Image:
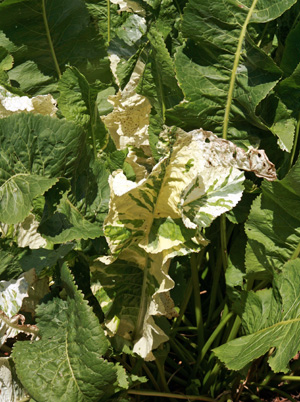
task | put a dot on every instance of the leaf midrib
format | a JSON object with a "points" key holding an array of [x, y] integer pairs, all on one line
{"points": [[234, 69]]}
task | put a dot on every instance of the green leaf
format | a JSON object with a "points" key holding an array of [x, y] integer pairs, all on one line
{"points": [[66, 364], [272, 321], [91, 191], [6, 60], [10, 266], [167, 18], [273, 225], [104, 107], [17, 194], [35, 150], [42, 258], [276, 116], [125, 69], [67, 224], [164, 70], [53, 34], [31, 79], [289, 90], [38, 144], [222, 73], [77, 102], [291, 51]]}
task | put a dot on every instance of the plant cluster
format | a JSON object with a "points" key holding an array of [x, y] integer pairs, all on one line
{"points": [[149, 200]]}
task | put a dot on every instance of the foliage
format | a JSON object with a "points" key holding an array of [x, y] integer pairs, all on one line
{"points": [[149, 192]]}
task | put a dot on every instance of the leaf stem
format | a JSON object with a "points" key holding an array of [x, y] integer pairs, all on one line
{"points": [[211, 339], [280, 378], [143, 304], [273, 389], [214, 287], [162, 378], [183, 329], [179, 10], [169, 395], [263, 34], [50, 39], [108, 22], [151, 377], [197, 300], [296, 253], [93, 123], [184, 303], [235, 328], [224, 242], [234, 70], [295, 142]]}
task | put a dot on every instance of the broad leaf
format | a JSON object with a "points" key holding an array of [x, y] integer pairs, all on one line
{"points": [[77, 102], [273, 225], [272, 320], [17, 194], [67, 224], [10, 266], [25, 233], [223, 74], [46, 33], [55, 367], [35, 150], [163, 215], [128, 122], [291, 53], [10, 388], [41, 259], [132, 30]]}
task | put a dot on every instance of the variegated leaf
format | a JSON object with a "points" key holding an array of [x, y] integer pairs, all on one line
{"points": [[163, 215]]}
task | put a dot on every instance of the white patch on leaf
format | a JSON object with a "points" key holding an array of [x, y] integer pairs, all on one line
{"points": [[128, 122], [11, 103], [162, 216], [25, 233], [129, 6], [12, 294], [11, 389]]}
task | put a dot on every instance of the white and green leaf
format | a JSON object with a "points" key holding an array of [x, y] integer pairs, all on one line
{"points": [[163, 216]]}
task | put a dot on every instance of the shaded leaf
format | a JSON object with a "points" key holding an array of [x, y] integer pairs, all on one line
{"points": [[271, 321], [41, 258], [10, 267], [68, 27], [17, 194], [10, 388], [222, 73], [273, 225], [56, 362], [77, 102], [67, 224], [35, 150]]}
